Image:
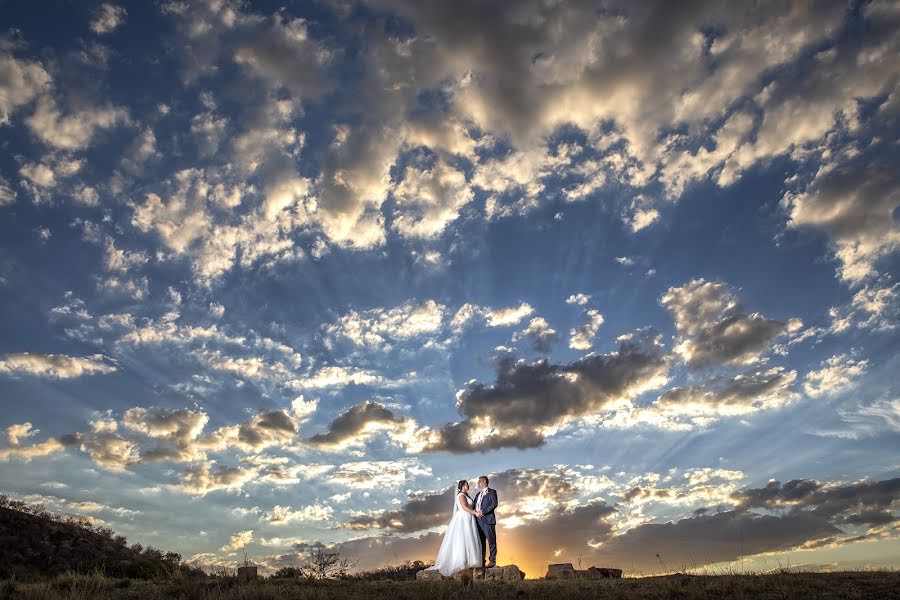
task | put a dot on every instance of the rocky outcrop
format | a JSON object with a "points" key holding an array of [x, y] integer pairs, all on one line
{"points": [[502, 573], [567, 571], [429, 575]]}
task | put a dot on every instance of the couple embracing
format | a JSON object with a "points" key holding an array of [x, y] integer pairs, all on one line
{"points": [[472, 530]]}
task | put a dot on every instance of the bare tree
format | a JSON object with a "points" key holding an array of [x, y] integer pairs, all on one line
{"points": [[324, 564]]}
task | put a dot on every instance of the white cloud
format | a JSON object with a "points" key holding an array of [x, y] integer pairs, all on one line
{"points": [[581, 338], [7, 193], [428, 199], [493, 317], [58, 366], [75, 130], [285, 515], [108, 17], [21, 81], [581, 299], [237, 540], [837, 372], [380, 326]]}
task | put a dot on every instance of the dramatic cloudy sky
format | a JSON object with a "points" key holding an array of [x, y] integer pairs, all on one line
{"points": [[278, 274]]}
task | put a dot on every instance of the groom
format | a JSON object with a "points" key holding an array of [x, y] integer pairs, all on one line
{"points": [[485, 503]]}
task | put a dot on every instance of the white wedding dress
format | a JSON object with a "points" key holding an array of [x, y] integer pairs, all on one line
{"points": [[461, 548]]}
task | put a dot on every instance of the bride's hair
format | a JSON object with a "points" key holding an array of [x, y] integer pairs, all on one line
{"points": [[460, 484]]}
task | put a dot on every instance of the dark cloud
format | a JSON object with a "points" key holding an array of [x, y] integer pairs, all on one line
{"points": [[807, 514], [714, 327], [742, 393], [528, 397], [424, 511], [705, 539], [354, 422], [421, 512], [860, 503]]}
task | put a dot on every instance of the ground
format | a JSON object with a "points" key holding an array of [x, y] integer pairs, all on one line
{"points": [[858, 584]]}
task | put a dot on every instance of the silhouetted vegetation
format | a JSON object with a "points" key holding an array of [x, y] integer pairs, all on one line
{"points": [[35, 543], [319, 563], [402, 572]]}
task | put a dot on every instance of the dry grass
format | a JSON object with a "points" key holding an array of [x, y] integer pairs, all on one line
{"points": [[852, 584]]}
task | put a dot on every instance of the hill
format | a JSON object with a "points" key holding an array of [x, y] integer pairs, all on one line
{"points": [[36, 544]]}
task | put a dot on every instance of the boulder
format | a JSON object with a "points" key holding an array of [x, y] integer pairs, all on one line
{"points": [[504, 573], [429, 575], [560, 571], [606, 573], [567, 571]]}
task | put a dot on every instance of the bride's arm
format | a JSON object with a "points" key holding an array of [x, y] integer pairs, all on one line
{"points": [[463, 505]]}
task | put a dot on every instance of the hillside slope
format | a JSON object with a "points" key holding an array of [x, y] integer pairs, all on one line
{"points": [[36, 544]]}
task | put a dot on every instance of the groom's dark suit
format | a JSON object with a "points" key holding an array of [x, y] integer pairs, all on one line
{"points": [[487, 524]]}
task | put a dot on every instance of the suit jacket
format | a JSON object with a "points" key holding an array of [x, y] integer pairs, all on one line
{"points": [[488, 504]]}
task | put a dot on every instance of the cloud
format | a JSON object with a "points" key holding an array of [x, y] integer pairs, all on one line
{"points": [[285, 515], [541, 335], [21, 81], [175, 431], [800, 514], [859, 503], [762, 389], [206, 476], [837, 373], [359, 424], [879, 417], [7, 193], [76, 130], [337, 377], [193, 215], [265, 429], [427, 199], [581, 338], [707, 539], [18, 432], [365, 475], [107, 447], [107, 18], [237, 540], [493, 317], [283, 53], [853, 202], [121, 261], [381, 326], [713, 326], [56, 366], [530, 401], [581, 299]]}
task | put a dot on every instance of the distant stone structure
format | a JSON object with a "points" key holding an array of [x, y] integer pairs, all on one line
{"points": [[504, 573], [246, 573], [567, 571]]}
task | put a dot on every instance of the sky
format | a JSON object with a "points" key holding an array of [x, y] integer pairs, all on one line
{"points": [[275, 275]]}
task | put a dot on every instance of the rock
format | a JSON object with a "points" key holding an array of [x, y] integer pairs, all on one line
{"points": [[560, 571], [429, 575], [246, 573], [567, 571], [504, 573]]}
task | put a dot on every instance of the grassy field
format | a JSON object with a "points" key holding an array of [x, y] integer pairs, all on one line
{"points": [[858, 584]]}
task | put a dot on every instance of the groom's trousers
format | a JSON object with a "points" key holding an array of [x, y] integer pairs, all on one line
{"points": [[487, 533]]}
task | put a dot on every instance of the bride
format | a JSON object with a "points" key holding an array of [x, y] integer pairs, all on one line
{"points": [[461, 547]]}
